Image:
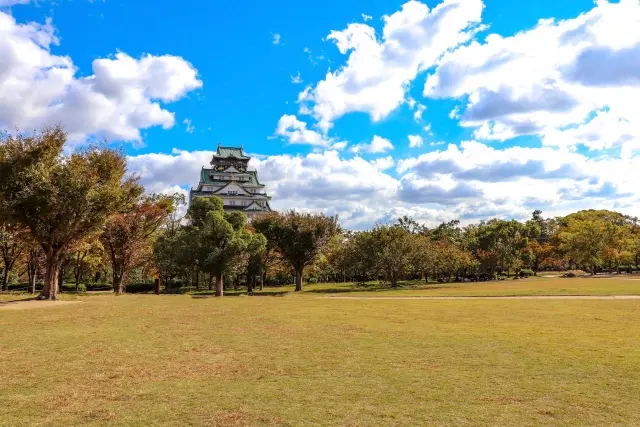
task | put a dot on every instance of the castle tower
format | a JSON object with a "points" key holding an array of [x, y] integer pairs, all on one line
{"points": [[230, 179]]}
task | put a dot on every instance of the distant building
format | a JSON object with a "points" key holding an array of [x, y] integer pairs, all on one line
{"points": [[230, 180]]}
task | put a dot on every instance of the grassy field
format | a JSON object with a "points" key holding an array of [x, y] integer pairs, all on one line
{"points": [[295, 360], [621, 285]]}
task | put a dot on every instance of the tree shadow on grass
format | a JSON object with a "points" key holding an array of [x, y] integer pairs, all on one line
{"points": [[212, 294], [373, 289], [15, 301]]}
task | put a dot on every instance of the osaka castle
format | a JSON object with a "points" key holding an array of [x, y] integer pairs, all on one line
{"points": [[230, 179]]}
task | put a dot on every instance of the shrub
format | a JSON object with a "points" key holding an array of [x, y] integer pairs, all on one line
{"points": [[312, 280], [82, 287], [139, 288], [526, 272]]}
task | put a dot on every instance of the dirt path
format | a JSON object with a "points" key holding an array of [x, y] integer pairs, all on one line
{"points": [[28, 304], [552, 297]]}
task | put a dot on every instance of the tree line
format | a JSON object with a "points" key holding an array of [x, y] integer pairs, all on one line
{"points": [[590, 240], [83, 215]]}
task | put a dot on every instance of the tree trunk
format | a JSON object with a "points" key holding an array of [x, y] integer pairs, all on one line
{"points": [[117, 284], [210, 281], [298, 280], [77, 282], [197, 280], [33, 283], [219, 285], [5, 280], [250, 281], [61, 277], [50, 289], [262, 277]]}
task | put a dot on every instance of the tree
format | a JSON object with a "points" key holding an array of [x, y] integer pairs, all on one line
{"points": [[392, 245], [86, 255], [12, 245], [422, 258], [60, 198], [265, 226], [34, 256], [300, 237], [359, 256], [223, 238], [126, 235], [583, 238], [171, 248]]}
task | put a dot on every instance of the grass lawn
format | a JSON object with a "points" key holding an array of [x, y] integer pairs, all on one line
{"points": [[292, 360], [622, 285]]}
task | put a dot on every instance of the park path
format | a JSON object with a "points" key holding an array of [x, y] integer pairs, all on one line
{"points": [[551, 297]]}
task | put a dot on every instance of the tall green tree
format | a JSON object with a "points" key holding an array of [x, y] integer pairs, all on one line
{"points": [[223, 238], [171, 250], [60, 198], [300, 238], [392, 245], [265, 225]]}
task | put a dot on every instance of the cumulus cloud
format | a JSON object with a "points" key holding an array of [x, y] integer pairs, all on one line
{"points": [[377, 145], [415, 141], [470, 182], [295, 131], [123, 95], [379, 67], [551, 80], [442, 191], [366, 18], [160, 171]]}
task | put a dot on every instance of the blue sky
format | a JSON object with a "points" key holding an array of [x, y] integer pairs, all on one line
{"points": [[368, 109]]}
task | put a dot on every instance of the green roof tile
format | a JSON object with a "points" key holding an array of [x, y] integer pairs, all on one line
{"points": [[226, 152]]}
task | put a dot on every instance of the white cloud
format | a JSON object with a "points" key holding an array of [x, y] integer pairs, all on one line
{"points": [[415, 141], [366, 18], [552, 79], [470, 182], [190, 128], [518, 179], [121, 97], [383, 163], [377, 145], [159, 171], [296, 79], [8, 3], [276, 39], [417, 115], [295, 132], [377, 71], [339, 145]]}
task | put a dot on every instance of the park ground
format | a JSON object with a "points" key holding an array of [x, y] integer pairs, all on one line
{"points": [[286, 359]]}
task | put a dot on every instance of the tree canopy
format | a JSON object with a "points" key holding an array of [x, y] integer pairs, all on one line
{"points": [[60, 198]]}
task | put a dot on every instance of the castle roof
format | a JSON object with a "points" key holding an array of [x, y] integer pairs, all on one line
{"points": [[230, 152], [205, 178]]}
